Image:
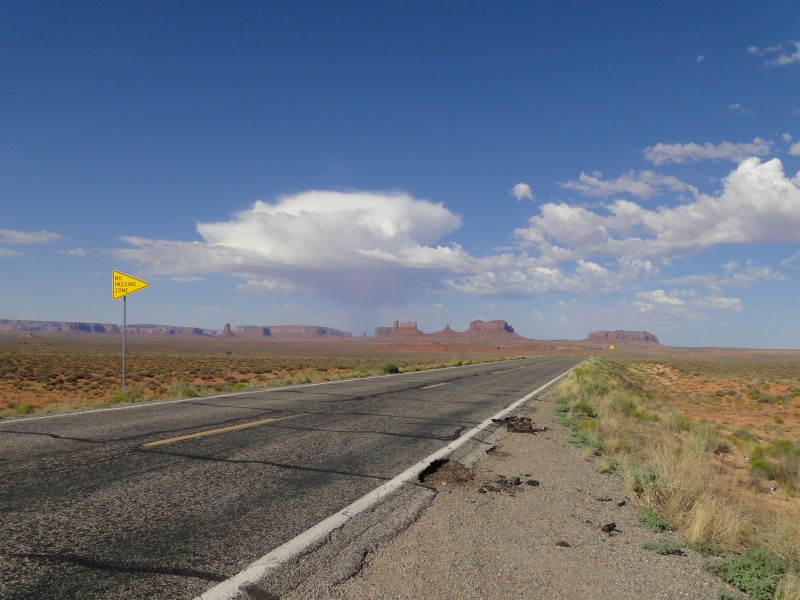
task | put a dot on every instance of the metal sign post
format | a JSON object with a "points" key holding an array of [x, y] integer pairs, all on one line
{"points": [[121, 286], [124, 335]]}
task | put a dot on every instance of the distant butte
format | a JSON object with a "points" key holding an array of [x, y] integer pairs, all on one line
{"points": [[496, 330], [477, 329], [292, 332], [625, 337]]}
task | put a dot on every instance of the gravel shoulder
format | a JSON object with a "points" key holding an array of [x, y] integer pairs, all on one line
{"points": [[485, 535]]}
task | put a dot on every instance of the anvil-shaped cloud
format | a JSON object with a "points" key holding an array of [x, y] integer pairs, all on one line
{"points": [[355, 246]]}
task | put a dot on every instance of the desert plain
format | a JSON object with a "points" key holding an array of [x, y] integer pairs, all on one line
{"points": [[734, 387], [706, 438]]}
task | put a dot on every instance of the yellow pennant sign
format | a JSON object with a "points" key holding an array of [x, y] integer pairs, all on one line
{"points": [[122, 285]]}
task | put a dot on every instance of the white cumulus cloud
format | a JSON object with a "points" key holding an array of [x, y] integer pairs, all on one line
{"points": [[10, 236], [641, 184], [357, 246], [74, 252], [738, 108], [758, 204], [735, 276], [682, 303], [522, 190], [780, 55], [660, 154]]}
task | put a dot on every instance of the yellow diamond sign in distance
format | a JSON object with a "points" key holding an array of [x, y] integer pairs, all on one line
{"points": [[122, 285], [611, 347]]}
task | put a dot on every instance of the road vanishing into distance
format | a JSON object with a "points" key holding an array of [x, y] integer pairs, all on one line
{"points": [[165, 500]]}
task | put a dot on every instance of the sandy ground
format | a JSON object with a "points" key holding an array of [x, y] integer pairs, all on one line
{"points": [[487, 536]]}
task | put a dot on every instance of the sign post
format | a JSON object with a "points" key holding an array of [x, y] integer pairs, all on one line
{"points": [[121, 286]]}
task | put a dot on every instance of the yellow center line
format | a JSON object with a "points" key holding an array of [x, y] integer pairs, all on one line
{"points": [[506, 371], [198, 434], [435, 385]]}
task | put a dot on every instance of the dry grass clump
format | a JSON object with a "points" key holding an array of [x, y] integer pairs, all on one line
{"points": [[689, 490], [788, 588]]}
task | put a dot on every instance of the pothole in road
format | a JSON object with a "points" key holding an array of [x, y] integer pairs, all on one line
{"points": [[520, 425], [443, 473]]}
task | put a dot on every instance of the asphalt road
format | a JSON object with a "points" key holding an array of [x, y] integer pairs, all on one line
{"points": [[165, 500]]}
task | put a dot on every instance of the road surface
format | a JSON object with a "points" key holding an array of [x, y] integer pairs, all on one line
{"points": [[165, 500]]}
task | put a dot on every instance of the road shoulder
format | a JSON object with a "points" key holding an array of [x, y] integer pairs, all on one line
{"points": [[495, 537]]}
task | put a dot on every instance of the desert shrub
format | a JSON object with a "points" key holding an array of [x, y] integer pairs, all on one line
{"points": [[588, 441], [779, 460], [131, 394], [584, 409], [746, 434], [643, 416], [388, 368], [756, 572], [674, 421], [650, 519], [561, 409], [620, 404], [24, 409], [664, 547], [607, 465], [704, 438], [764, 467]]}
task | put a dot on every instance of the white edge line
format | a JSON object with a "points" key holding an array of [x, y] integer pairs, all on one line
{"points": [[260, 569], [79, 412]]}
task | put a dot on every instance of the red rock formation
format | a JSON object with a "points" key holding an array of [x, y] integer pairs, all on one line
{"points": [[477, 329], [619, 336], [287, 332], [186, 331], [58, 326], [226, 331], [496, 328], [407, 329], [167, 330], [251, 331], [305, 331]]}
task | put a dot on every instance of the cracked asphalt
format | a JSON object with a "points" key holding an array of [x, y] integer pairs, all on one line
{"points": [[165, 500]]}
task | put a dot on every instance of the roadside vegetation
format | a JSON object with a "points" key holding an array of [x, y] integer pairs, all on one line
{"points": [[722, 470], [50, 379]]}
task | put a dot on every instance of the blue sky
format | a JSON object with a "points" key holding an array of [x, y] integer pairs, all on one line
{"points": [[565, 166]]}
